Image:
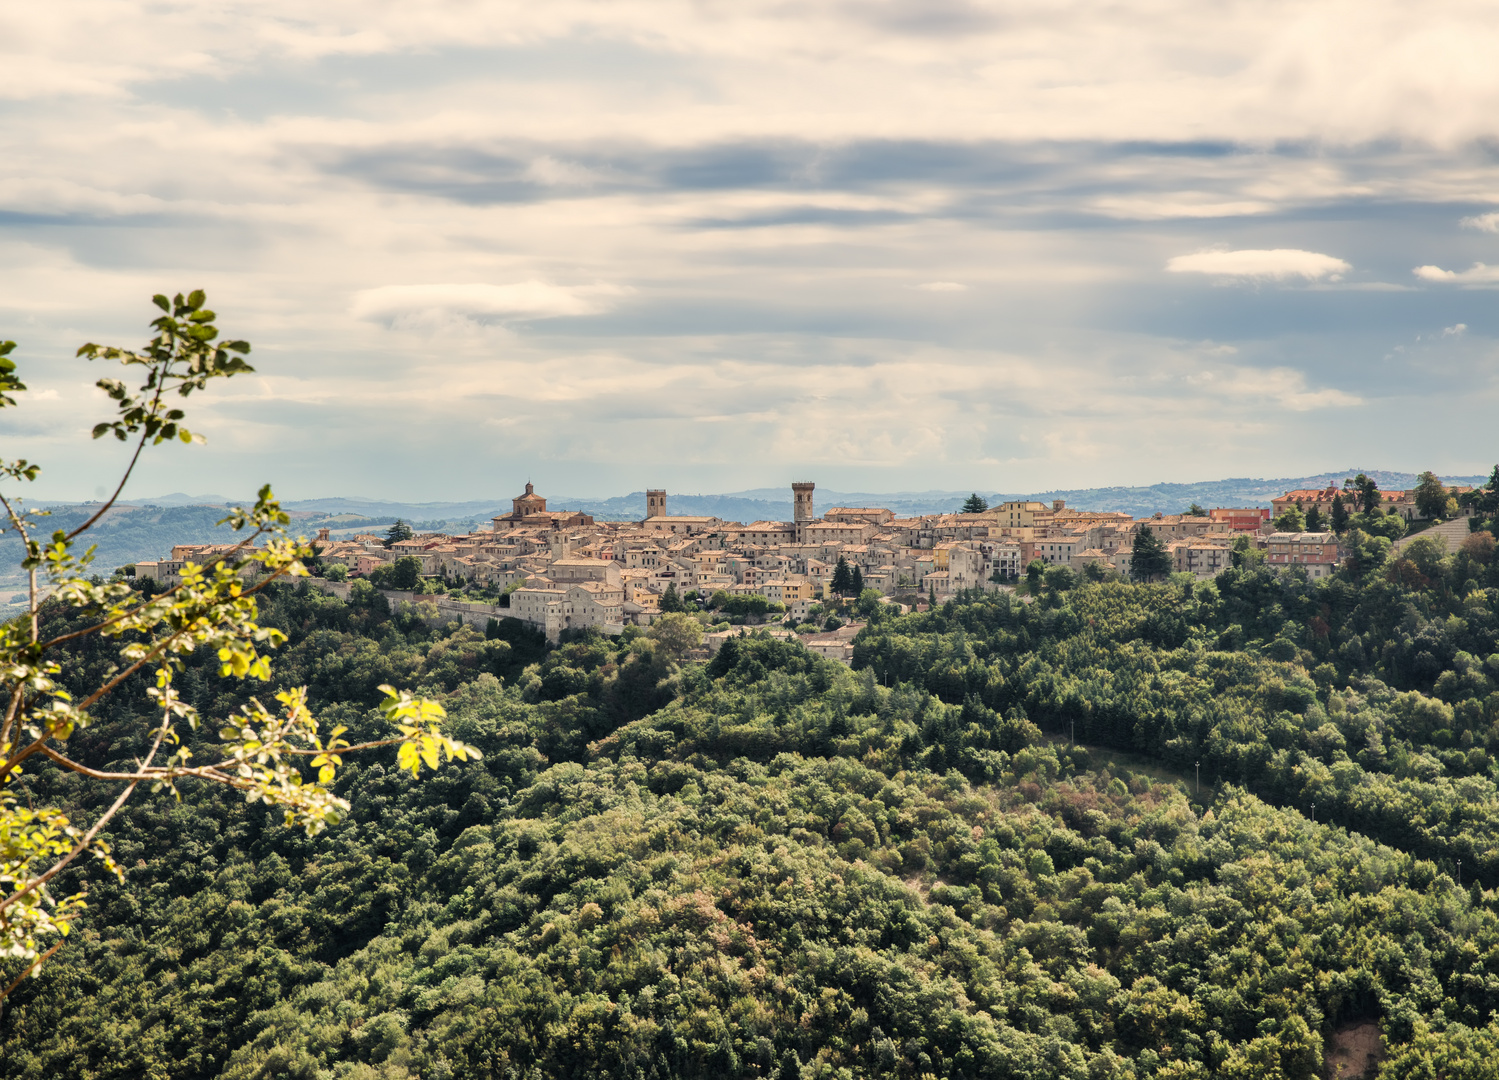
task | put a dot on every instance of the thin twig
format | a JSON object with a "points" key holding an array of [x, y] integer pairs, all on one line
{"points": [[38, 962], [139, 446], [140, 774], [12, 708], [61, 864]]}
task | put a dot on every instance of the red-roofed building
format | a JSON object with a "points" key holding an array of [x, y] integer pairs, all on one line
{"points": [[1248, 520]]}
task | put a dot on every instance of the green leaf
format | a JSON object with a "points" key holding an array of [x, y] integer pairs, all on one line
{"points": [[195, 299], [161, 302]]}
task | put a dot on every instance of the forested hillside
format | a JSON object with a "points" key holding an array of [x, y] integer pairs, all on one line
{"points": [[770, 865]]}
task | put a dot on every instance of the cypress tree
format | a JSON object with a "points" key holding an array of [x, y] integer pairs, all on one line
{"points": [[1339, 515], [1150, 558], [842, 577]]}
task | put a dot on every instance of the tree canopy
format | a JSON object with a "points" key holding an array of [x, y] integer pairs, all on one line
{"points": [[974, 504], [982, 851], [1431, 495], [1291, 519], [404, 573]]}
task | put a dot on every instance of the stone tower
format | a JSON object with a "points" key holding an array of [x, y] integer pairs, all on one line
{"points": [[801, 499], [655, 503]]}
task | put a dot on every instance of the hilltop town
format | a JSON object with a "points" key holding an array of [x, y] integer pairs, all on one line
{"points": [[559, 570]]}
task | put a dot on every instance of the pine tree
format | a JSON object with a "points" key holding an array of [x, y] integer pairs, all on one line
{"points": [[974, 504], [670, 601], [843, 578], [856, 584], [397, 532], [1314, 521], [1368, 492]]}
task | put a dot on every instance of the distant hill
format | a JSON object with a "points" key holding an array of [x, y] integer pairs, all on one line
{"points": [[774, 504], [1243, 492], [127, 534]]}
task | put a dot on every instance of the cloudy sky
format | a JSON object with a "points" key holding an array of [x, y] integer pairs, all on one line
{"points": [[714, 245]]}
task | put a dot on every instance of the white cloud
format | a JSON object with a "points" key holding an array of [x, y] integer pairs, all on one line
{"points": [[521, 300], [1454, 331], [1276, 263], [1281, 386], [1482, 222], [1477, 274], [943, 286], [1177, 205], [554, 172]]}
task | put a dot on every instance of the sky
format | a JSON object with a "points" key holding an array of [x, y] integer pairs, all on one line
{"points": [[709, 246]]}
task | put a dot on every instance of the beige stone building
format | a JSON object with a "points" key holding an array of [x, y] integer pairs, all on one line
{"points": [[575, 572]]}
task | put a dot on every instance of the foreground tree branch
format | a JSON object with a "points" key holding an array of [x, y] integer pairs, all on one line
{"points": [[262, 751]]}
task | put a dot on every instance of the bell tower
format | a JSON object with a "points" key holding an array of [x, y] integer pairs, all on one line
{"points": [[655, 503], [801, 500]]}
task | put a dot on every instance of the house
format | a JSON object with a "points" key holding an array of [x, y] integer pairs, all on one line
{"points": [[1316, 552], [1247, 520], [859, 515]]}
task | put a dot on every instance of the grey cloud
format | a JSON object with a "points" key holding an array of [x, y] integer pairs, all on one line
{"points": [[926, 18], [1065, 183], [467, 174]]}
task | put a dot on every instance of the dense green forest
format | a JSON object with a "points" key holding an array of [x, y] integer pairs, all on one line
{"points": [[771, 865]]}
